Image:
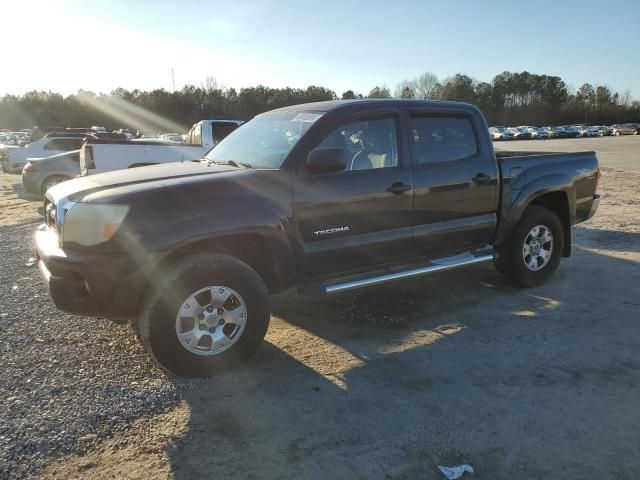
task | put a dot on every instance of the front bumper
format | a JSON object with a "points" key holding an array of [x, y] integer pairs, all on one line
{"points": [[96, 284]]}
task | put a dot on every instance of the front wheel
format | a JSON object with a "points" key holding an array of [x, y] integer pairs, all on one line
{"points": [[207, 316], [535, 249]]}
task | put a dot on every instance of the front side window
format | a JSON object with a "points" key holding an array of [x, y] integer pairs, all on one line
{"points": [[265, 141], [370, 144], [52, 145], [442, 139]]}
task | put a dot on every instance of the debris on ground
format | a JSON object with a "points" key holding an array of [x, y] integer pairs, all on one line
{"points": [[452, 473]]}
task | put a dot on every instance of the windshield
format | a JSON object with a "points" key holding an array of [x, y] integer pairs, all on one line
{"points": [[265, 141]]}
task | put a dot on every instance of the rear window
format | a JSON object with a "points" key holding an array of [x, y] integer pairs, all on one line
{"points": [[443, 139], [221, 130]]}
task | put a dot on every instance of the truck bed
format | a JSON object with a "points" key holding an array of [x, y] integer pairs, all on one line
{"points": [[574, 175]]}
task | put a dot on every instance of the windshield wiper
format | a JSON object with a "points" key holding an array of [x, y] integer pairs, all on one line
{"points": [[233, 163]]}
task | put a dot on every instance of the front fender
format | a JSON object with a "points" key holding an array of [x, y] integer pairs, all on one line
{"points": [[206, 227]]}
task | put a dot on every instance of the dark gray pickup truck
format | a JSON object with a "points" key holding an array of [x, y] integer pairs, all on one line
{"points": [[328, 197]]}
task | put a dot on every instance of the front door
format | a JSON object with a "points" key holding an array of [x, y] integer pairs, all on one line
{"points": [[359, 217]]}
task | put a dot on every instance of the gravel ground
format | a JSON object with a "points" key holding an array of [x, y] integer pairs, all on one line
{"points": [[381, 384], [67, 381]]}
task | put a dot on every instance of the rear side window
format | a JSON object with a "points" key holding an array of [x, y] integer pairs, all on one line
{"points": [[64, 144], [442, 139]]}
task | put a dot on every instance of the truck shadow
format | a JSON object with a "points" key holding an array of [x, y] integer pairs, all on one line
{"points": [[473, 371]]}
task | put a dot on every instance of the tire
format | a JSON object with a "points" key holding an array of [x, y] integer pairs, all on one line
{"points": [[51, 181], [512, 259], [190, 285]]}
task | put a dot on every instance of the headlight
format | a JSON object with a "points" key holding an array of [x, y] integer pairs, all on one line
{"points": [[91, 224]]}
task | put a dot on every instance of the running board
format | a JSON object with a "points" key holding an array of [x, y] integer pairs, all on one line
{"points": [[436, 265]]}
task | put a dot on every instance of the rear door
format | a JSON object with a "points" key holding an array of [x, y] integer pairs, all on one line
{"points": [[359, 217], [456, 179]]}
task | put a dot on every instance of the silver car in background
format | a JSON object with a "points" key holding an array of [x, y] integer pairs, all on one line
{"points": [[40, 174]]}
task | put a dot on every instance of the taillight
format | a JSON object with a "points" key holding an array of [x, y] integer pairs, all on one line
{"points": [[598, 177], [88, 157], [31, 167]]}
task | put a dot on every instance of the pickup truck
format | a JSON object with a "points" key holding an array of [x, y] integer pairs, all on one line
{"points": [[329, 197], [99, 156]]}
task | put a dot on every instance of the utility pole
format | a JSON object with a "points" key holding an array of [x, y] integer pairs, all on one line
{"points": [[173, 80]]}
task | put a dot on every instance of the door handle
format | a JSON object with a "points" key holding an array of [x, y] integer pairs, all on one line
{"points": [[481, 179], [398, 187]]}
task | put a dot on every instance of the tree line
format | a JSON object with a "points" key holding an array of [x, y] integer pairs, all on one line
{"points": [[509, 99]]}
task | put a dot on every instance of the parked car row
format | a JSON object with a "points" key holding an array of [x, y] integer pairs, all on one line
{"points": [[61, 155], [16, 148], [14, 159], [8, 137], [566, 131]]}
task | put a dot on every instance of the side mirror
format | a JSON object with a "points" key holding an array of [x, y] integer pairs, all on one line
{"points": [[327, 160]]}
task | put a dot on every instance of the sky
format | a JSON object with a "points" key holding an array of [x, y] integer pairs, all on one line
{"points": [[67, 45]]}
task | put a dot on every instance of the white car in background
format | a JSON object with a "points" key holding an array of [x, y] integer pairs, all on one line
{"points": [[495, 134], [15, 159], [532, 130]]}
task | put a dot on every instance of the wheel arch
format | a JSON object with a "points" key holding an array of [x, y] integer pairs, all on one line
{"points": [[555, 192], [258, 251], [52, 175], [558, 203]]}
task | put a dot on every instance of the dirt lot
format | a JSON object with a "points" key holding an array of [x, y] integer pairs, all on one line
{"points": [[461, 367]]}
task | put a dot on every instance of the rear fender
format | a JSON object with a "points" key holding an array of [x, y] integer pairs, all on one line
{"points": [[518, 202]]}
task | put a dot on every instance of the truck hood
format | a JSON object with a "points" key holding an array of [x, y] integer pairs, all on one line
{"points": [[154, 176]]}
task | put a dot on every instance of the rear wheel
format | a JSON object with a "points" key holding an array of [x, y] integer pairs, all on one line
{"points": [[207, 316], [52, 181], [535, 249]]}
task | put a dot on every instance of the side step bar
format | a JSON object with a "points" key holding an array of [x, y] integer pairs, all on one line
{"points": [[436, 265]]}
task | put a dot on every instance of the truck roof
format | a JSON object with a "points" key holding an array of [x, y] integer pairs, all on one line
{"points": [[332, 105]]}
